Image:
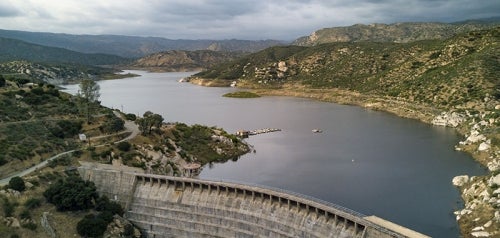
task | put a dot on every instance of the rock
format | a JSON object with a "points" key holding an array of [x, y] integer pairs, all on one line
{"points": [[480, 234], [13, 222], [488, 224], [494, 165], [494, 181], [475, 137], [497, 191], [483, 146], [465, 212], [28, 185], [13, 193], [452, 119], [479, 228], [121, 227], [459, 181], [44, 221], [497, 107]]}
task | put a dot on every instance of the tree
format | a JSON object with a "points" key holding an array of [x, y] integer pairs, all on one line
{"points": [[91, 226], [2, 81], [71, 194], [148, 121], [17, 183], [89, 95]]}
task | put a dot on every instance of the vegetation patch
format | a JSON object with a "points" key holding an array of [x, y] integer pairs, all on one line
{"points": [[241, 94]]}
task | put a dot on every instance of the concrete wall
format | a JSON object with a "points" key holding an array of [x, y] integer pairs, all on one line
{"points": [[180, 207]]}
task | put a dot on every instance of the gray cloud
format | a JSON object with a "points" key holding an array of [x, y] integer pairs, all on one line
{"points": [[224, 19], [7, 10]]}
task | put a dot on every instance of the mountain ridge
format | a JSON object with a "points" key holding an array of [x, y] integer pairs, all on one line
{"points": [[132, 46], [401, 32], [181, 60]]}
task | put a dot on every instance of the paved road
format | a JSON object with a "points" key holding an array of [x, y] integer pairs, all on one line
{"points": [[130, 126]]}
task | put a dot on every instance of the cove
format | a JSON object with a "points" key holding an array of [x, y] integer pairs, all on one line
{"points": [[368, 161]]}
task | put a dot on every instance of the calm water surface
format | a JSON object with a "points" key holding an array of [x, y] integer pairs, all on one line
{"points": [[371, 162]]}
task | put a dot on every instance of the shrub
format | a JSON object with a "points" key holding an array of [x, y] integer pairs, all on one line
{"points": [[2, 81], [130, 116], [17, 183], [32, 203], [25, 214], [128, 230], [71, 194], [113, 124], [104, 204], [123, 146], [8, 207], [29, 225], [91, 226]]}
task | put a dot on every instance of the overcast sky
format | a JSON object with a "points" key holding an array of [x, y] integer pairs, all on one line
{"points": [[227, 19]]}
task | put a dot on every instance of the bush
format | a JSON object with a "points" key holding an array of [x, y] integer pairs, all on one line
{"points": [[2, 81], [113, 124], [104, 204], [32, 203], [130, 116], [17, 183], [8, 207], [124, 146], [25, 214], [29, 225], [128, 230], [71, 194], [91, 226]]}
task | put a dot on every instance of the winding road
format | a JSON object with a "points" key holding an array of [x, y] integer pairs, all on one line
{"points": [[130, 127]]}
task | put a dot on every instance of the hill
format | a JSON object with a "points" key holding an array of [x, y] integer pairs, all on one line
{"points": [[455, 71], [397, 32], [12, 49], [132, 46], [180, 60]]}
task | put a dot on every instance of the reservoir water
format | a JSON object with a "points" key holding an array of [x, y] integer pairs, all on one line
{"points": [[368, 161]]}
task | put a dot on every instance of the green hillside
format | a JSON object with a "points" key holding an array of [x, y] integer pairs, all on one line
{"points": [[450, 72], [12, 49]]}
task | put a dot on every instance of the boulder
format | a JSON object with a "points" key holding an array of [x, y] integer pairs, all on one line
{"points": [[480, 234], [484, 146], [460, 181], [121, 227], [494, 181], [475, 136], [452, 119], [12, 222]]}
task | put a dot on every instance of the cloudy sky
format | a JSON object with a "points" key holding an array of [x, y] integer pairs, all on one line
{"points": [[227, 19]]}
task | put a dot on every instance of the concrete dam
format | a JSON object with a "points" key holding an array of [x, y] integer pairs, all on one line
{"points": [[164, 206]]}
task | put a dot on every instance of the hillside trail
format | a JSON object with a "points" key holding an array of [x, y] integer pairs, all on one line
{"points": [[130, 127]]}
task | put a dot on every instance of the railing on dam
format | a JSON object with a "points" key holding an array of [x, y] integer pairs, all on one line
{"points": [[289, 198]]}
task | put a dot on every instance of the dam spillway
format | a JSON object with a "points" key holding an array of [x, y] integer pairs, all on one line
{"points": [[164, 206]]}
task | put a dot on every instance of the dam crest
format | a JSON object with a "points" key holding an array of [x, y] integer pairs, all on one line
{"points": [[164, 206]]}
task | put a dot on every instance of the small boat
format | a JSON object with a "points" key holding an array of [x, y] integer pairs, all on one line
{"points": [[317, 131]]}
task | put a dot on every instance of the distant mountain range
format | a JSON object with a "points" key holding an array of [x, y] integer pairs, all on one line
{"points": [[132, 46], [12, 49], [397, 32]]}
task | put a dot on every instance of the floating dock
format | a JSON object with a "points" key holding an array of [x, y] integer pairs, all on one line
{"points": [[245, 133]]}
